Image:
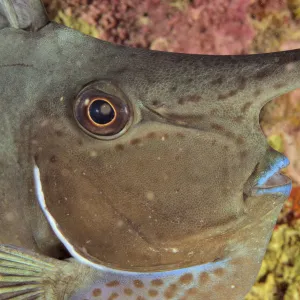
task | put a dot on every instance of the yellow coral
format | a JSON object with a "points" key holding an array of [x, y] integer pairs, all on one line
{"points": [[276, 142], [294, 6], [280, 272], [179, 4], [272, 31], [64, 17]]}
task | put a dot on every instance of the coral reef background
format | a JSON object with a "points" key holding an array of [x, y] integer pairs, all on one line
{"points": [[218, 27]]}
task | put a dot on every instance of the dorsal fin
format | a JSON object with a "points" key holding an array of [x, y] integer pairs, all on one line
{"points": [[23, 14]]}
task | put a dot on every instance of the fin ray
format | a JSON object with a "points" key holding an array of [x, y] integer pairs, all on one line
{"points": [[16, 271], [27, 296], [24, 276]]}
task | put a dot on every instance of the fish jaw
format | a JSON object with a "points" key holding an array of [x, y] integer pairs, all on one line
{"points": [[267, 179], [224, 279], [228, 278]]}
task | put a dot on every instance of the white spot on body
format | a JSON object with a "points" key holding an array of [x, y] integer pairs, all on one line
{"points": [[290, 66], [93, 153], [150, 195], [120, 223]]}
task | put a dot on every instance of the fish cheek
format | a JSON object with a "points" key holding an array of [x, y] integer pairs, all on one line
{"points": [[156, 190]]}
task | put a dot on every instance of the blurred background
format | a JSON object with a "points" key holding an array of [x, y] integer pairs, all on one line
{"points": [[218, 27]]}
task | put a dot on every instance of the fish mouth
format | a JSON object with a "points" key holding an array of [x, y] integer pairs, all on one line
{"points": [[271, 181]]}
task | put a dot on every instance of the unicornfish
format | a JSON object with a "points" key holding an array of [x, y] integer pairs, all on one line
{"points": [[132, 174]]}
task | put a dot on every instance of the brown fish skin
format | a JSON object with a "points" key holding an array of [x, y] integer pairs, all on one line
{"points": [[189, 181]]}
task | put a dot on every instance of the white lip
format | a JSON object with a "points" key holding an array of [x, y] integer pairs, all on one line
{"points": [[277, 183], [271, 177]]}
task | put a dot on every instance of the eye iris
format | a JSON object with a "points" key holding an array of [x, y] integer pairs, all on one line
{"points": [[101, 112]]}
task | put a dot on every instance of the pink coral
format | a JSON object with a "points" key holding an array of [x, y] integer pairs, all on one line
{"points": [[210, 27]]}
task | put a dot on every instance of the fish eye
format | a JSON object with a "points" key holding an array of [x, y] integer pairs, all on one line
{"points": [[100, 114]]}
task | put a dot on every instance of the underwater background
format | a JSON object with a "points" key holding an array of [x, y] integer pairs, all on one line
{"points": [[218, 27]]}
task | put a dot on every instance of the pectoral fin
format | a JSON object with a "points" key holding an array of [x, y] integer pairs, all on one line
{"points": [[26, 275]]}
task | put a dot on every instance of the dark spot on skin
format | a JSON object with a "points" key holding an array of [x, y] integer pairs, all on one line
{"points": [[238, 119], [245, 197], [113, 283], [217, 127], [189, 80], [113, 296], [53, 159], [226, 147], [120, 71], [157, 282], [132, 55], [203, 278], [152, 293], [213, 111], [59, 133], [186, 278], [180, 135], [138, 283], [173, 89], [135, 141], [243, 154], [217, 81], [262, 73], [191, 291], [140, 298], [151, 135], [119, 147], [229, 134], [170, 292], [227, 95], [279, 85], [240, 140], [213, 142], [191, 99], [242, 83], [245, 107], [97, 292], [80, 142], [257, 93], [128, 291], [156, 103], [219, 272]]}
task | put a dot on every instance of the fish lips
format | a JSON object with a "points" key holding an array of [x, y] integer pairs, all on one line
{"points": [[271, 181]]}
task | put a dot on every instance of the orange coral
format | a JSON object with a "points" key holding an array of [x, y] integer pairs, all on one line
{"points": [[295, 199]]}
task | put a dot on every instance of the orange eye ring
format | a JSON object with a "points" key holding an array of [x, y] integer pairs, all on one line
{"points": [[99, 120], [91, 119]]}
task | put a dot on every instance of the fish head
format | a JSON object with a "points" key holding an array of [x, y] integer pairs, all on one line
{"points": [[144, 160]]}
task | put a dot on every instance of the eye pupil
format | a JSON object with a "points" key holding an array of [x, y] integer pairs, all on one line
{"points": [[102, 115], [101, 112]]}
